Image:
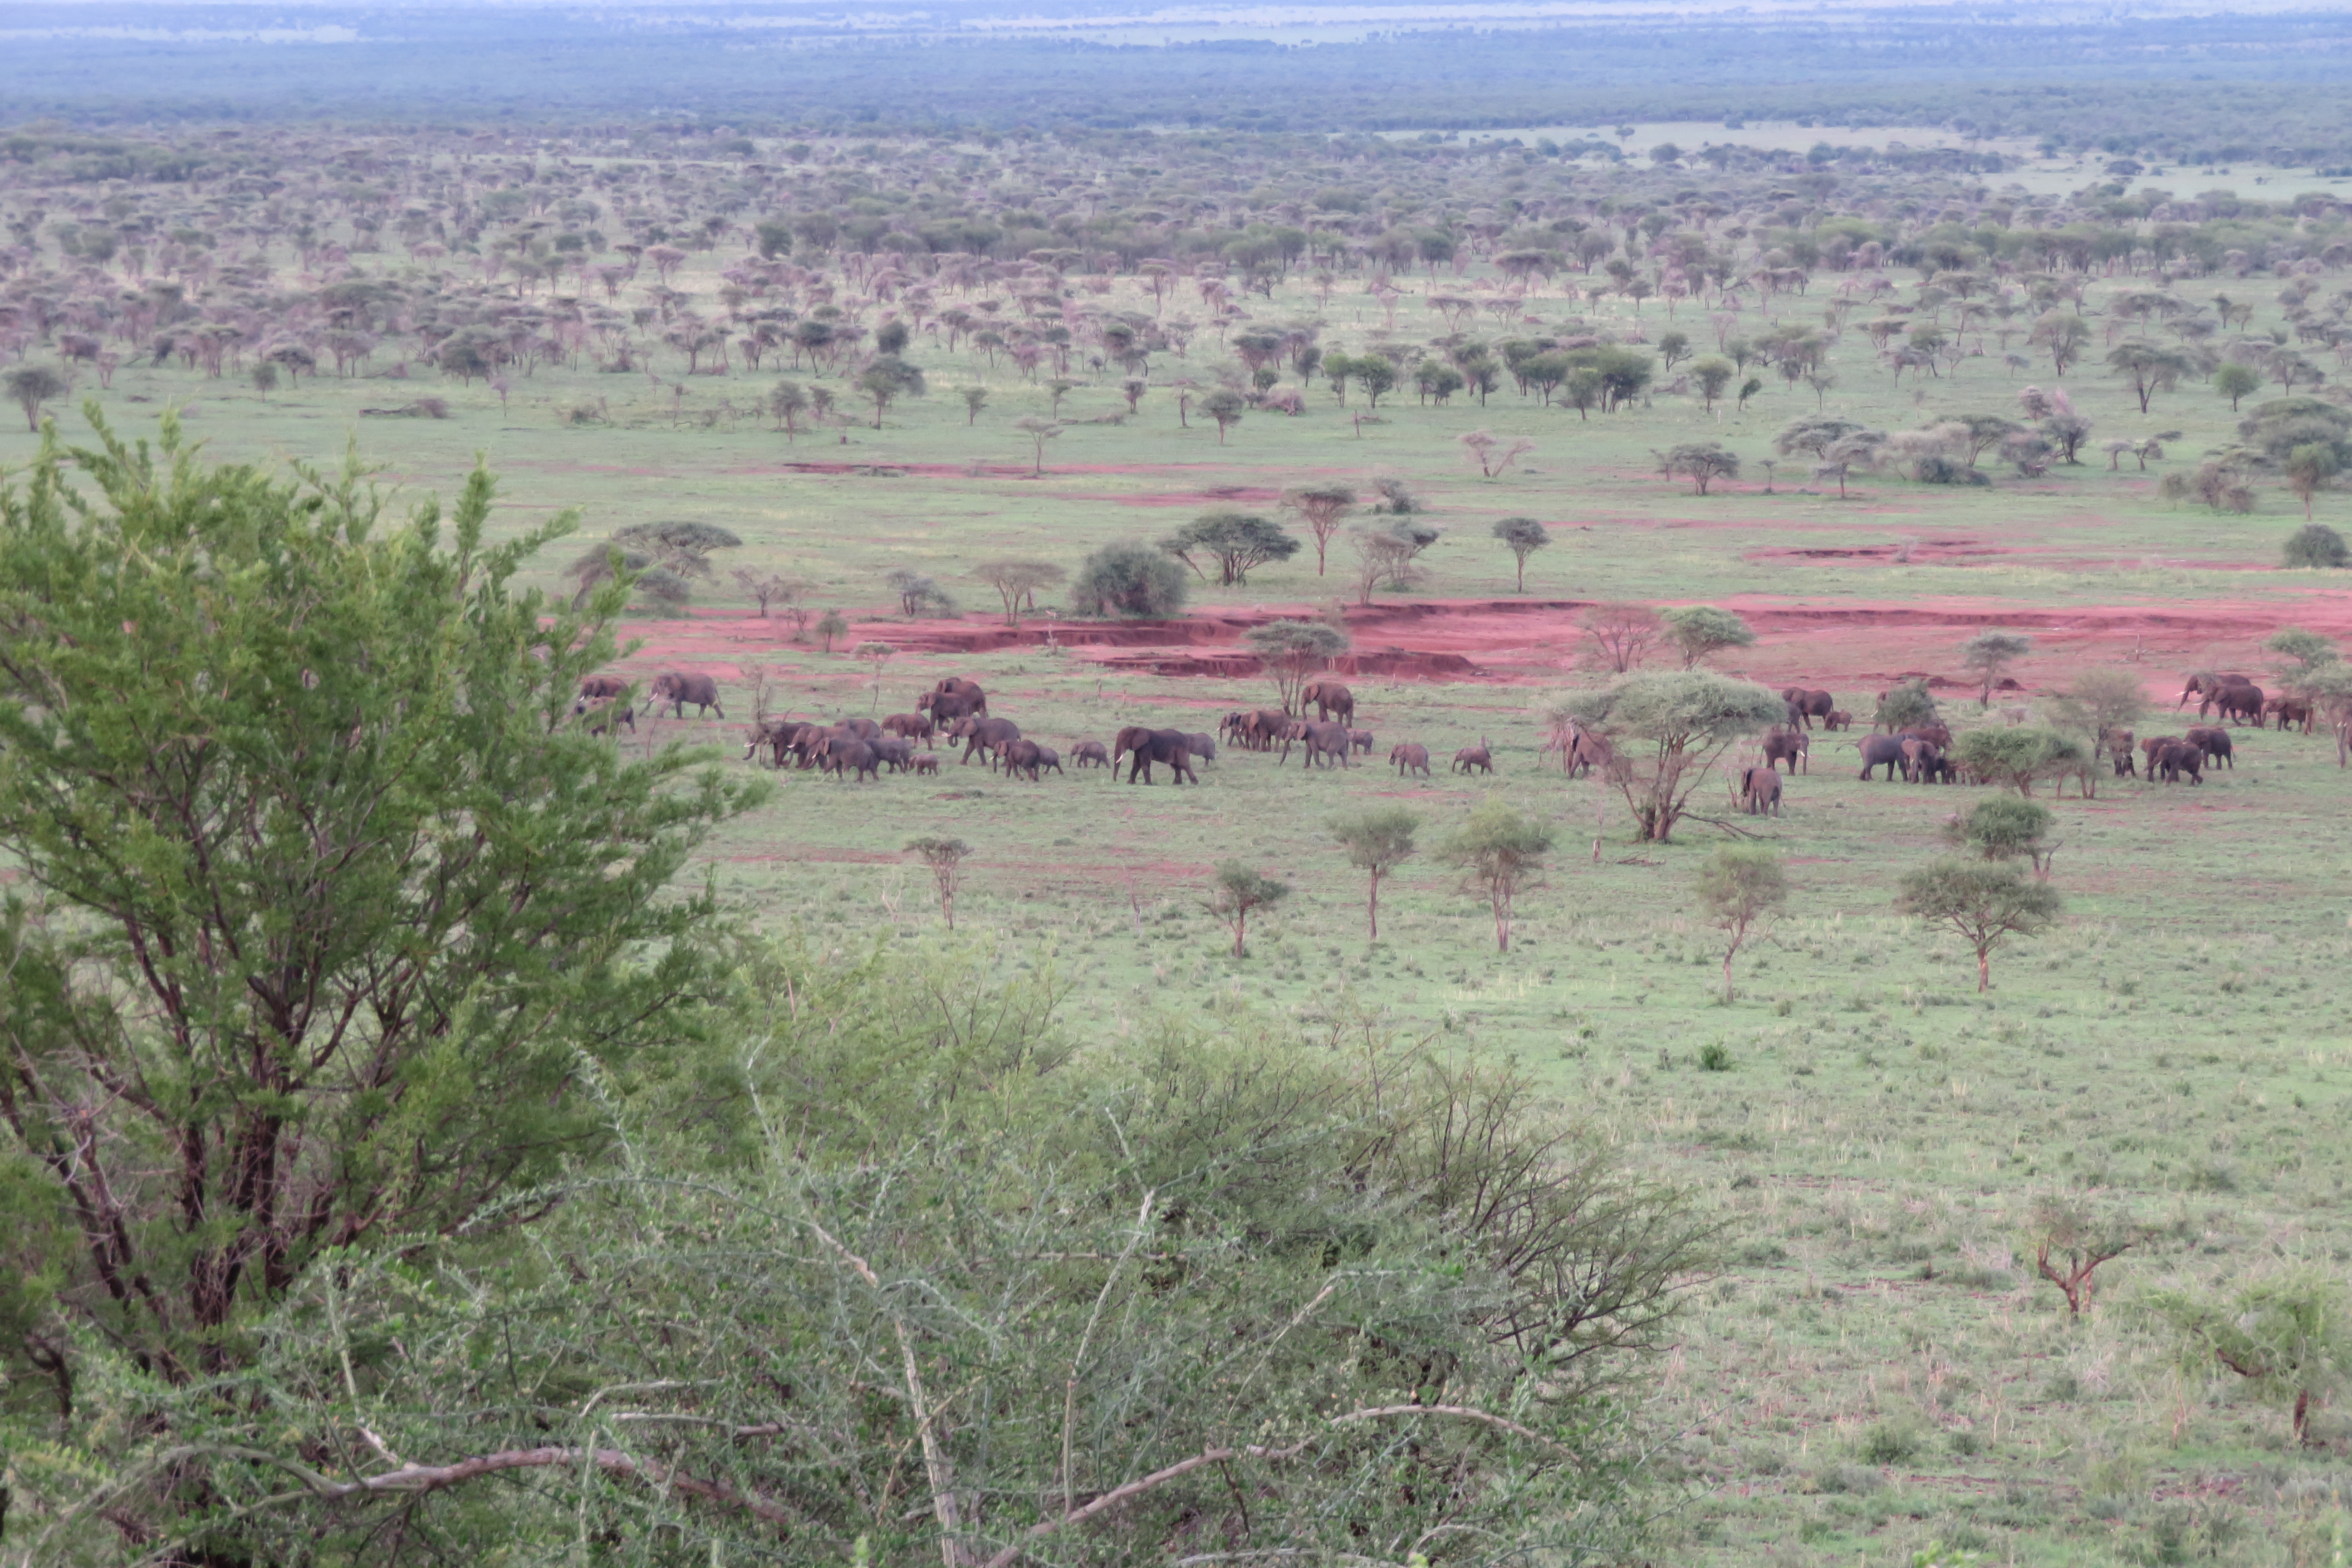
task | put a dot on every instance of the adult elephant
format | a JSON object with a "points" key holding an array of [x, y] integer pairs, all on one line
{"points": [[1922, 761], [1881, 750], [2214, 743], [1022, 757], [1328, 740], [989, 736], [2204, 686], [912, 727], [2237, 704], [2290, 712], [2118, 743], [1788, 746], [846, 754], [897, 752], [1409, 757], [1262, 730], [1759, 791], [1151, 746], [2180, 757], [603, 686], [957, 686], [679, 687], [1807, 704], [1329, 697], [948, 707]]}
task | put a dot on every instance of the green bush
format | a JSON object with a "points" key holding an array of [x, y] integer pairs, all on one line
{"points": [[1129, 580], [2315, 544]]}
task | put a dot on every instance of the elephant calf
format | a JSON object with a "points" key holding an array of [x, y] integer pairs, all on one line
{"points": [[1760, 789], [1409, 758], [1479, 758], [1089, 754]]}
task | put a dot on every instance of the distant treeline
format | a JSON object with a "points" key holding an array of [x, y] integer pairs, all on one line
{"points": [[2187, 90]]}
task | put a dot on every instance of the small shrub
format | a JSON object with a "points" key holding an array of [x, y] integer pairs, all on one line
{"points": [[2315, 544], [1888, 1444], [1945, 471], [1715, 1057], [1855, 1480]]}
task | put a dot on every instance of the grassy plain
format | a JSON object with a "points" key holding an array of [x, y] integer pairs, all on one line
{"points": [[1875, 1368]]}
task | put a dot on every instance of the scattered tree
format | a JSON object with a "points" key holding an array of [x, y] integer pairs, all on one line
{"points": [[1740, 886], [1981, 904], [2005, 829], [1293, 651], [1910, 706], [975, 398], [1129, 580], [1666, 731], [2308, 468], [886, 381], [945, 857], [1234, 541], [1491, 453], [1500, 855], [831, 624], [1323, 508], [2284, 1332], [2100, 704], [1524, 536], [1701, 631], [1622, 631], [766, 588], [2150, 368], [2071, 1240], [30, 386], [1040, 430], [1701, 462], [2315, 544], [2016, 755], [2234, 381], [1987, 656], [1713, 374], [788, 400], [1237, 892], [1378, 839], [1017, 581], [1225, 406], [876, 654]]}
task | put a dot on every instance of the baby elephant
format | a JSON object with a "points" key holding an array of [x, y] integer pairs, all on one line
{"points": [[1089, 754], [1760, 789], [926, 763], [1473, 758], [1409, 758]]}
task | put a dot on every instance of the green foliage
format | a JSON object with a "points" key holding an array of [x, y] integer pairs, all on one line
{"points": [[1740, 884], [1500, 853], [2314, 545], [1701, 462], [2234, 381], [1910, 706], [30, 386], [2014, 755], [2303, 652], [1668, 730], [1981, 904], [1234, 541], [2099, 702], [2285, 1332], [2003, 829], [1236, 891], [1376, 839], [1987, 656], [1132, 579], [1292, 650], [1523, 536], [1700, 631], [331, 932]]}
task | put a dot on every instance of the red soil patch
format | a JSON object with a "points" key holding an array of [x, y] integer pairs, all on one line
{"points": [[1851, 648]]}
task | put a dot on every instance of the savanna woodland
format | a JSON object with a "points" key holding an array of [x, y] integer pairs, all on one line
{"points": [[958, 787]]}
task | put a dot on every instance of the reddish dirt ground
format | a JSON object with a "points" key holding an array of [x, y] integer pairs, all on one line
{"points": [[1846, 646]]}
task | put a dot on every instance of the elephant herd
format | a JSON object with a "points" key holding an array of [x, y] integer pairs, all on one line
{"points": [[2238, 698]]}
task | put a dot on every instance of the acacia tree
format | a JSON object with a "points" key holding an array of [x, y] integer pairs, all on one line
{"points": [[1981, 904], [2150, 368], [1666, 732], [2101, 704], [330, 931], [1701, 631], [1322, 508], [1234, 541], [1500, 855], [1293, 651], [1740, 886], [2284, 1332], [1378, 839], [945, 858], [1987, 656], [1622, 631], [1523, 536], [1225, 406], [1017, 581], [1701, 462], [1040, 430], [1236, 892], [30, 386]]}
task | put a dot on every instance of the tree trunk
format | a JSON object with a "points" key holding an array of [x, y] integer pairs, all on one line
{"points": [[1984, 969], [1373, 905], [2302, 1414]]}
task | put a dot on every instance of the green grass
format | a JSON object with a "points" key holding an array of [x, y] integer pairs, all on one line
{"points": [[1872, 1370]]}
